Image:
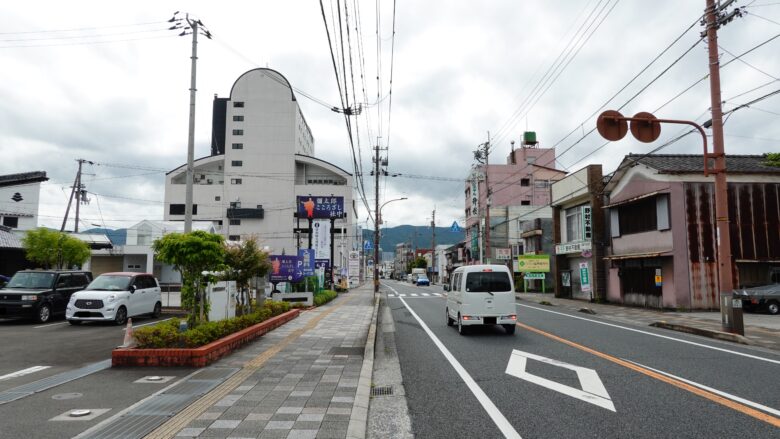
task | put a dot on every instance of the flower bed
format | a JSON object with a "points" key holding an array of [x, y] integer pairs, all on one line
{"points": [[173, 355]]}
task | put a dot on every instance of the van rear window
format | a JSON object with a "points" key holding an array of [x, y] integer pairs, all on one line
{"points": [[488, 282]]}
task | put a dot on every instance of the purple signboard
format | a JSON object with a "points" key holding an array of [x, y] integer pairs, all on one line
{"points": [[320, 207], [285, 268], [322, 263]]}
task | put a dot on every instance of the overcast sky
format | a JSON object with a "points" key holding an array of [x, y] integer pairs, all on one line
{"points": [[106, 82]]}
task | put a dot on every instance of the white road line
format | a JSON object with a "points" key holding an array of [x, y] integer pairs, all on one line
{"points": [[50, 324], [149, 323], [23, 372], [755, 405], [414, 294], [495, 414], [769, 360]]}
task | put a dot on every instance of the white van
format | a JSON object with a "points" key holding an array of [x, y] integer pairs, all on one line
{"points": [[481, 295]]}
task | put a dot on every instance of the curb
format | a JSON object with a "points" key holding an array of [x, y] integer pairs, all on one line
{"points": [[718, 335], [358, 419]]}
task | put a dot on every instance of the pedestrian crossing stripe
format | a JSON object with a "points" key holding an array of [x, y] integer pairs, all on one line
{"points": [[417, 295]]}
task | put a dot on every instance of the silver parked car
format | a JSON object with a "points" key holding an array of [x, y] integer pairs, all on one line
{"points": [[766, 297]]}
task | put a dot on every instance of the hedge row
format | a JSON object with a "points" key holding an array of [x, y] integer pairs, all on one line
{"points": [[324, 296], [167, 335]]}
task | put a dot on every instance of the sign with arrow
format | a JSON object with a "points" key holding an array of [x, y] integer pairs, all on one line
{"points": [[592, 389]]}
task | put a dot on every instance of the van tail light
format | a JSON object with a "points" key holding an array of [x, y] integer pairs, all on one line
{"points": [[510, 317]]}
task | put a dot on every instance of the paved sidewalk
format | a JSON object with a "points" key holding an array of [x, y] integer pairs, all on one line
{"points": [[760, 329], [306, 379]]}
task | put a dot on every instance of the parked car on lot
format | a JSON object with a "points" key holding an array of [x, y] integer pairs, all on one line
{"points": [[40, 294], [423, 280], [114, 297], [766, 297]]}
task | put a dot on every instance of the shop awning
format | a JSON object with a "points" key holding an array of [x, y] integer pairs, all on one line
{"points": [[638, 255]]}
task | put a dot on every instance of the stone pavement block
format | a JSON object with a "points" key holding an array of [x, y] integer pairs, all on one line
{"points": [[190, 432], [274, 434], [279, 425], [302, 434]]}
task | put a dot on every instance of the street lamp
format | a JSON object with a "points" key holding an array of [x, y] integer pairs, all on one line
{"points": [[378, 222]]}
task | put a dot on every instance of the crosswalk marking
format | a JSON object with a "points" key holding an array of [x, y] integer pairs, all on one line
{"points": [[420, 295], [23, 372]]}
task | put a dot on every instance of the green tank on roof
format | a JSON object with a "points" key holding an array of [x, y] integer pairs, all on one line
{"points": [[529, 137]]}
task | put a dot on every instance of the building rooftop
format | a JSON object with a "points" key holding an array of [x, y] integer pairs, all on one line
{"points": [[8, 239], [694, 163], [22, 178]]}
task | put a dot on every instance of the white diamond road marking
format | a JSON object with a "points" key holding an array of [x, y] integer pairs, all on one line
{"points": [[593, 390], [23, 372]]}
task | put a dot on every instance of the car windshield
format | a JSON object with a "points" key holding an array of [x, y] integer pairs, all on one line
{"points": [[421, 277], [488, 281], [31, 280], [110, 283]]}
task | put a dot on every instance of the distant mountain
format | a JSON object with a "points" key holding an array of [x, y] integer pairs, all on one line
{"points": [[419, 235]]}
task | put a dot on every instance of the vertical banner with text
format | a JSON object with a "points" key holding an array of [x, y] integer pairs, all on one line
{"points": [[321, 238]]}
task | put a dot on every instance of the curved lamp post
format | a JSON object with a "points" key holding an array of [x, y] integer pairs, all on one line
{"points": [[378, 220]]}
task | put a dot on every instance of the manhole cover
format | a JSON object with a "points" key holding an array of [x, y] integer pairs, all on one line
{"points": [[64, 396], [79, 413], [381, 390]]}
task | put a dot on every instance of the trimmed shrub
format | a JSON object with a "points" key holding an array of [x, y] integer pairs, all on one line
{"points": [[167, 335], [324, 297]]}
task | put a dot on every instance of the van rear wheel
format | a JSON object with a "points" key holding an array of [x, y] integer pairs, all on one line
{"points": [[510, 329], [461, 328], [450, 321]]}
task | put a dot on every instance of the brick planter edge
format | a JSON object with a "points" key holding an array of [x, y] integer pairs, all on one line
{"points": [[202, 356]]}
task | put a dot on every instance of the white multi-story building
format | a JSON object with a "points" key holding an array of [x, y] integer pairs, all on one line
{"points": [[262, 158], [19, 198]]}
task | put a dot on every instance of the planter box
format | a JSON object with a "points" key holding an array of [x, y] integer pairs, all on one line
{"points": [[202, 356]]}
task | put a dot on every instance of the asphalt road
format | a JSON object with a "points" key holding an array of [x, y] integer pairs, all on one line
{"points": [[615, 380], [33, 352]]}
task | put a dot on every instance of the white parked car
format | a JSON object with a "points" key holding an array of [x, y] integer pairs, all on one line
{"points": [[115, 297]]}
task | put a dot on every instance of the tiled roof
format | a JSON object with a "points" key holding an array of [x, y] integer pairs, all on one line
{"points": [[8, 239], [22, 178], [693, 163]]}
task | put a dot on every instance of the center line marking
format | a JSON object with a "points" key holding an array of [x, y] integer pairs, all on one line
{"points": [[716, 398], [495, 414], [755, 357]]}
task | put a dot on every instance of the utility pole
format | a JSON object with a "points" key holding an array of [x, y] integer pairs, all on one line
{"points": [[376, 219], [193, 27], [481, 155], [714, 18], [78, 193], [433, 245]]}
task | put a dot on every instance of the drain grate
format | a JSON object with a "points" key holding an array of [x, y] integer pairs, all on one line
{"points": [[381, 390]]}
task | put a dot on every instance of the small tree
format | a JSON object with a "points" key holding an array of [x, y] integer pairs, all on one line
{"points": [[53, 249], [243, 262], [772, 159], [418, 262], [191, 254]]}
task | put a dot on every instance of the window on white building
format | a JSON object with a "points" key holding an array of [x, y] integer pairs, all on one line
{"points": [[235, 181], [11, 221], [235, 222], [238, 132], [525, 182], [236, 163], [234, 238], [574, 224], [238, 118], [238, 146], [238, 104], [235, 205]]}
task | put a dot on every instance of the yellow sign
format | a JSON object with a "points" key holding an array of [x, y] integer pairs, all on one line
{"points": [[659, 280], [533, 263]]}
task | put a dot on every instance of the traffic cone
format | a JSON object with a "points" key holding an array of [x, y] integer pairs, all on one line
{"points": [[129, 341]]}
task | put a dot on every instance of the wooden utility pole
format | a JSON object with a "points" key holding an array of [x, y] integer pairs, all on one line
{"points": [[433, 245], [713, 20]]}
